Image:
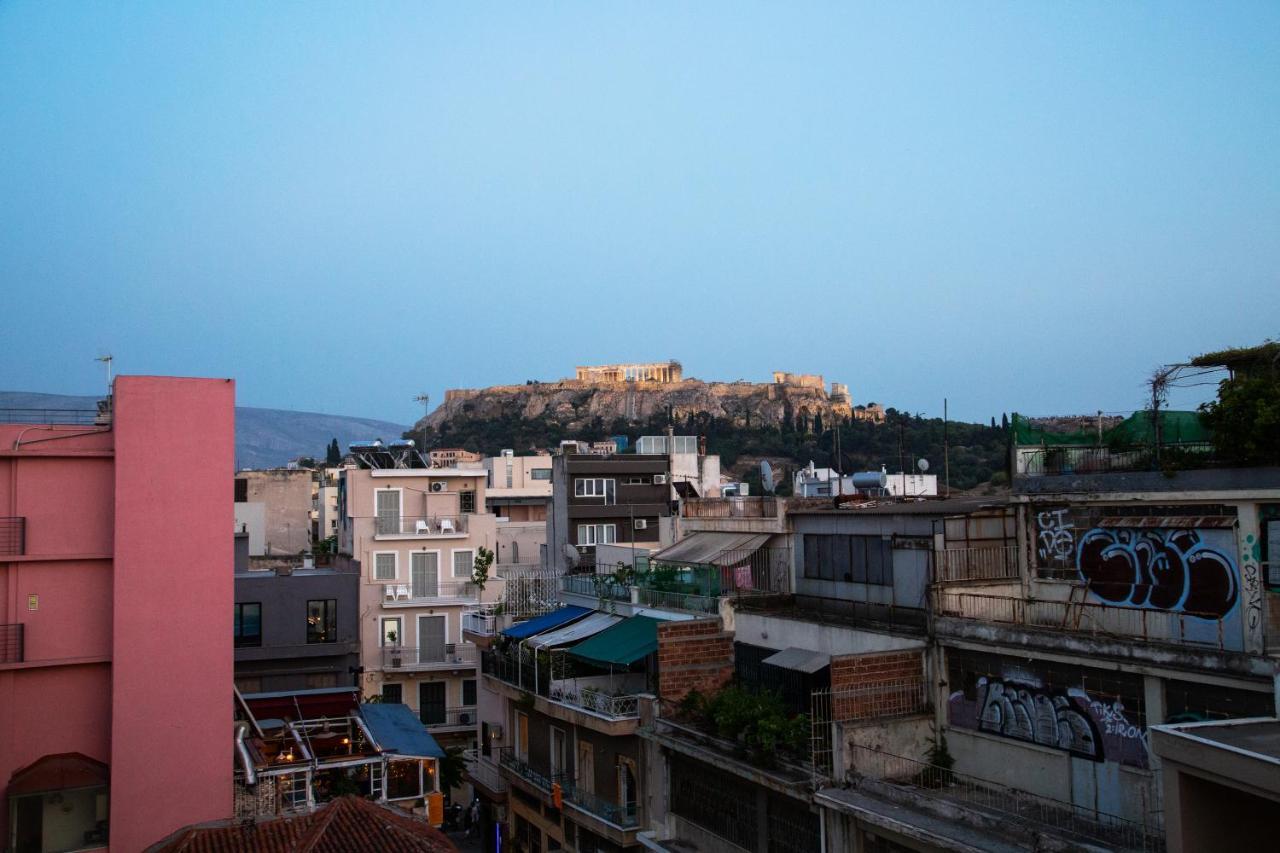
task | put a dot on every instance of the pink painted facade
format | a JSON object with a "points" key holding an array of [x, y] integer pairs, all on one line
{"points": [[119, 582]]}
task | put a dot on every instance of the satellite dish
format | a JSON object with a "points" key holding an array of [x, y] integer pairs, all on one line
{"points": [[766, 475], [923, 465]]}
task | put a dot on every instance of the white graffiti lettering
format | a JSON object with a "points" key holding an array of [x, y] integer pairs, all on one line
{"points": [[1056, 536]]}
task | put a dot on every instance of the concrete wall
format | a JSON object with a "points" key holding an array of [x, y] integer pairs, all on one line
{"points": [[286, 494], [775, 632], [252, 518], [520, 542], [172, 618]]}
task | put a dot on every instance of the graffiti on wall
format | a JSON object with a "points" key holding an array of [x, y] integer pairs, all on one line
{"points": [[1055, 536], [1068, 719], [1175, 570], [1251, 572]]}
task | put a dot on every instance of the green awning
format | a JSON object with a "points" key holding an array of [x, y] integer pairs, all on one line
{"points": [[621, 645]]}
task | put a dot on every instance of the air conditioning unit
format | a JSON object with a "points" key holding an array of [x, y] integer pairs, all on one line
{"points": [[437, 486], [464, 719], [641, 523], [659, 479]]}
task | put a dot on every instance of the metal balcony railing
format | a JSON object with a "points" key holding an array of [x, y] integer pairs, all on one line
{"points": [[536, 676], [74, 417], [1079, 460], [450, 718], [689, 602], [420, 590], [1088, 617], [483, 624], [11, 638], [595, 586], [13, 536], [420, 525], [743, 507], [484, 771], [597, 701], [432, 657], [1024, 811], [957, 565], [623, 816]]}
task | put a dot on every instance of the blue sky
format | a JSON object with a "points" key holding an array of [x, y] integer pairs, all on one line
{"points": [[1020, 206]]}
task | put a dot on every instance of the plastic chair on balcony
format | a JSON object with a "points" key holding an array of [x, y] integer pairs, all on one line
{"points": [[402, 591], [446, 526], [422, 527], [389, 591]]}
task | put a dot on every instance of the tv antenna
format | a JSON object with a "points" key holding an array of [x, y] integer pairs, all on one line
{"points": [[107, 359], [425, 399]]}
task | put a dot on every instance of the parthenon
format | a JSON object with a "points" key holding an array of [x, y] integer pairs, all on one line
{"points": [[658, 371]]}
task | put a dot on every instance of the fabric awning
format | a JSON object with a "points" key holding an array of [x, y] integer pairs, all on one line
{"points": [[801, 660], [545, 622], [575, 631], [713, 547], [621, 645], [398, 730]]}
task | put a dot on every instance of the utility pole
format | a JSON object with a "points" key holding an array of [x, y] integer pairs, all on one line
{"points": [[946, 447]]}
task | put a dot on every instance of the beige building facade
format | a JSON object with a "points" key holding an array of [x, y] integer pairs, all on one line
{"points": [[416, 533], [519, 495]]}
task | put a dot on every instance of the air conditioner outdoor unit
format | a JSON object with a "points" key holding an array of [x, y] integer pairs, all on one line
{"points": [[437, 486], [659, 479], [642, 523], [464, 719]]}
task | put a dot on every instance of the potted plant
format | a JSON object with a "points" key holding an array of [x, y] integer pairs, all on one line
{"points": [[392, 638]]}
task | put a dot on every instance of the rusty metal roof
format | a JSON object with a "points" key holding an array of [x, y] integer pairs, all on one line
{"points": [[1169, 521]]}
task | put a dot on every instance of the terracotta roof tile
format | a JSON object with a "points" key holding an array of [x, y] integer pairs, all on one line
{"points": [[346, 825]]}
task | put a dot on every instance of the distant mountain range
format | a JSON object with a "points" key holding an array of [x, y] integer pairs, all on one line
{"points": [[265, 438]]}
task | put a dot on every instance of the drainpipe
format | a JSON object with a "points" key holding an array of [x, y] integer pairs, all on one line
{"points": [[249, 775]]}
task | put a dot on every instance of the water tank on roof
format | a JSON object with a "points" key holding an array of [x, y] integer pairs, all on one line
{"points": [[870, 480]]}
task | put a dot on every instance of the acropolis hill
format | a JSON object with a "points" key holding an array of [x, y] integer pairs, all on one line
{"points": [[635, 392]]}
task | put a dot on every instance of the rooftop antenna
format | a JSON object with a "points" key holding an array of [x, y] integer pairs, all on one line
{"points": [[106, 359], [425, 399]]}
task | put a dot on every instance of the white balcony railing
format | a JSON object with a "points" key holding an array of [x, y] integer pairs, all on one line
{"points": [[484, 771], [453, 718], [407, 594], [446, 656], [481, 624], [425, 526]]}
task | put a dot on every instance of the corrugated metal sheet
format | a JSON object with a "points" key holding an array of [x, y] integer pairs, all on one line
{"points": [[801, 660], [1169, 521], [707, 546]]}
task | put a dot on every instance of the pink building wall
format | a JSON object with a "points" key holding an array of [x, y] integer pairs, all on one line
{"points": [[128, 655]]}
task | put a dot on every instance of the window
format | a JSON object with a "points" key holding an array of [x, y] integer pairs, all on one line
{"points": [[597, 534], [392, 633], [540, 474], [388, 509], [468, 692], [466, 502], [597, 487], [431, 703], [522, 736], [636, 481], [463, 563], [242, 490], [424, 574], [509, 472], [559, 753], [515, 552], [248, 625], [322, 621], [384, 566], [393, 694]]}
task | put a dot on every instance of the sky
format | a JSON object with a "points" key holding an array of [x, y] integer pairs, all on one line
{"points": [[1016, 206]]}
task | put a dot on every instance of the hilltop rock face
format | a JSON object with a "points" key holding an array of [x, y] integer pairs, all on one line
{"points": [[576, 403]]}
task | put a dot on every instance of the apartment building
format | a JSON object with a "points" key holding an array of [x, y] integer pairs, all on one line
{"points": [[415, 532], [115, 599], [297, 625], [452, 457], [518, 492], [605, 500]]}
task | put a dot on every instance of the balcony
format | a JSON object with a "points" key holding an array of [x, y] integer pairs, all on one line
{"points": [[965, 565], [484, 771], [1109, 621], [480, 624], [446, 656], [452, 718], [683, 601], [932, 796], [604, 587], [11, 637], [13, 536], [420, 526], [615, 698], [744, 507], [1067, 460], [620, 816], [416, 594]]}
